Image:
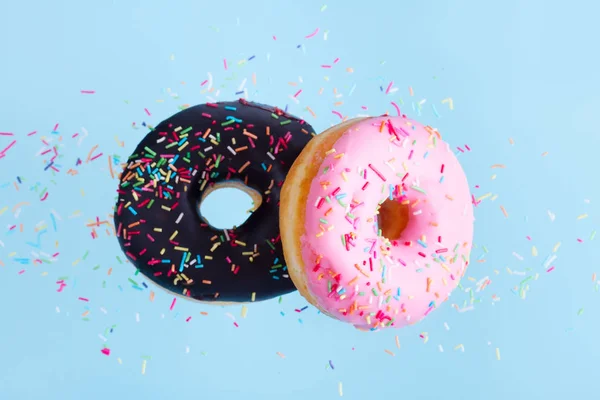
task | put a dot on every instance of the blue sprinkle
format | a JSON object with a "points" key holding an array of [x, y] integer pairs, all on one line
{"points": [[132, 210], [231, 108], [251, 58]]}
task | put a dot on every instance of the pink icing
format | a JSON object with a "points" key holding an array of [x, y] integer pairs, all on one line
{"points": [[368, 280]]}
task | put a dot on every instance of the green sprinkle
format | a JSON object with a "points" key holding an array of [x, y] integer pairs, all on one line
{"points": [[119, 260], [133, 282], [270, 244], [150, 204], [289, 121], [150, 151], [323, 221], [580, 311], [275, 116], [418, 189], [231, 121], [86, 254], [96, 267], [374, 291]]}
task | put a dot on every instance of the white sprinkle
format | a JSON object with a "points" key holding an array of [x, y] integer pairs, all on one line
{"points": [[187, 349], [441, 348], [57, 309], [231, 150], [103, 310], [137, 317], [209, 148], [102, 338], [210, 81], [271, 156], [517, 256], [242, 85], [179, 218], [551, 215], [446, 326]]}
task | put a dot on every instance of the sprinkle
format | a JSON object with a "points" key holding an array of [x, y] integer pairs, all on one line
{"points": [[312, 34], [504, 211], [497, 353], [340, 389], [377, 172]]}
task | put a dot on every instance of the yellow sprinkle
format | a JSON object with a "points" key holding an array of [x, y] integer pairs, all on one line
{"points": [[178, 248], [582, 216], [450, 103], [240, 243], [328, 152], [534, 251], [244, 311], [556, 246], [498, 353], [173, 235], [485, 196], [119, 361], [3, 210], [253, 296], [344, 176], [144, 367]]}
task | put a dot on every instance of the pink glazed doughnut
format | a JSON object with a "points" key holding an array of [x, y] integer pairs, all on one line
{"points": [[376, 222]]}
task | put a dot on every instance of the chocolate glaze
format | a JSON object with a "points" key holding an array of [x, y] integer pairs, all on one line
{"points": [[154, 216]]}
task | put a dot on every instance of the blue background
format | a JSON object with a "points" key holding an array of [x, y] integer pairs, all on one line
{"points": [[526, 70]]}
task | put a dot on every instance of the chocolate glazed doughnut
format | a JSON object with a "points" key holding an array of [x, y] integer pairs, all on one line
{"points": [[203, 148]]}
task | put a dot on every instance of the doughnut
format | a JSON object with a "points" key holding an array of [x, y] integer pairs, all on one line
{"points": [[203, 148], [376, 222]]}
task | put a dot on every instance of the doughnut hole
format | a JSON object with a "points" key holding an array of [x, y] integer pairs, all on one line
{"points": [[393, 218], [227, 205]]}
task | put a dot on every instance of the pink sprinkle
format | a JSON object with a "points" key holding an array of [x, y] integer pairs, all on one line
{"points": [[173, 303], [21, 272], [225, 63], [105, 351], [377, 172], [8, 147], [236, 324], [45, 197], [55, 128], [95, 157], [580, 240], [461, 150], [274, 37], [338, 114], [336, 60], [88, 91], [550, 269], [298, 92], [312, 34], [147, 112], [468, 148], [325, 66], [442, 169], [188, 319], [397, 108], [6, 134], [32, 133], [389, 87], [204, 83], [83, 299], [528, 237]]}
